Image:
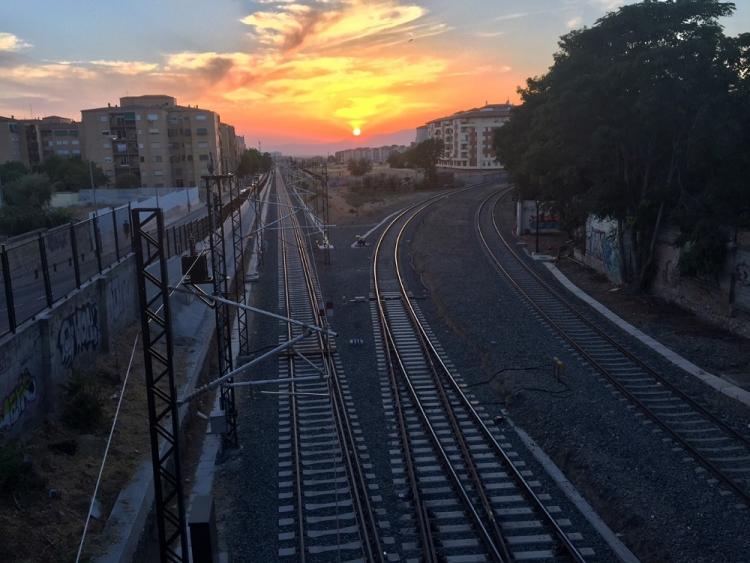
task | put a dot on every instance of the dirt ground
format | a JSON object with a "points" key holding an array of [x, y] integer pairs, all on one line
{"points": [[44, 522], [714, 349]]}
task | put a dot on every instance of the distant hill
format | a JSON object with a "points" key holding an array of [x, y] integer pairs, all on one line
{"points": [[404, 137]]}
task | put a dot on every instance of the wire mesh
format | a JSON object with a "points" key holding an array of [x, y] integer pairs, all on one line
{"points": [[60, 261], [27, 279], [86, 245]]}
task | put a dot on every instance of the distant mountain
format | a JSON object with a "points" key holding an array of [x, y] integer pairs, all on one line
{"points": [[403, 137]]}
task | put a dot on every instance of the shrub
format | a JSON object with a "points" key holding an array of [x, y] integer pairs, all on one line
{"points": [[83, 403], [15, 473]]}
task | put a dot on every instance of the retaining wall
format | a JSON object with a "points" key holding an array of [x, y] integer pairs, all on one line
{"points": [[40, 356]]}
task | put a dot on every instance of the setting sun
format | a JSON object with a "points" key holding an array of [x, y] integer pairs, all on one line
{"points": [[356, 131]]}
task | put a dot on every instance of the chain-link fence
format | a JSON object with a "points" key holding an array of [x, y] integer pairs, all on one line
{"points": [[38, 271]]}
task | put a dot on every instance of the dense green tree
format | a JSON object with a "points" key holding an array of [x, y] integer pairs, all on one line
{"points": [[642, 118], [128, 180], [252, 162], [32, 191], [11, 171], [72, 174], [396, 160], [425, 156], [359, 166], [25, 206]]}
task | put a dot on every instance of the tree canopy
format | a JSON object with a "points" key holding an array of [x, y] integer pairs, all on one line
{"points": [[359, 166], [643, 118], [253, 162], [72, 174], [425, 156]]}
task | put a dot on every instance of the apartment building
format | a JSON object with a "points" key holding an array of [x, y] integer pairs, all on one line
{"points": [[11, 140], [32, 141], [157, 141], [377, 155], [467, 136]]}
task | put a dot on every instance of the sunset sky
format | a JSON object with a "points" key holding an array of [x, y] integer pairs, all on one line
{"points": [[286, 72]]}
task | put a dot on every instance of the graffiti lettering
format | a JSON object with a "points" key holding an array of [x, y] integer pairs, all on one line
{"points": [[78, 332], [15, 403]]}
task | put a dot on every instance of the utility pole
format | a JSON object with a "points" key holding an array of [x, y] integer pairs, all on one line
{"points": [[93, 186]]}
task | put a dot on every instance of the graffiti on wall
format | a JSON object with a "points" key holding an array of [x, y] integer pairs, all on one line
{"points": [[601, 244], [78, 332], [120, 298], [14, 404]]}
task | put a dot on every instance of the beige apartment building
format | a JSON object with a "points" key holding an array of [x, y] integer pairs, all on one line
{"points": [[32, 141], [158, 142], [468, 136]]}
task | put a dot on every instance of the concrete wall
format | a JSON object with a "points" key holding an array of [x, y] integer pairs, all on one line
{"points": [[526, 218], [602, 252], [39, 358], [712, 300], [715, 300]]}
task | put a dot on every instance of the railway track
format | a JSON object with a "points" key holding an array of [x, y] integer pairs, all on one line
{"points": [[473, 498], [723, 451], [326, 505]]}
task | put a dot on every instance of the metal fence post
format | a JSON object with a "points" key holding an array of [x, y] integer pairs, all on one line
{"points": [[7, 282], [97, 243], [74, 250], [45, 271], [114, 228]]}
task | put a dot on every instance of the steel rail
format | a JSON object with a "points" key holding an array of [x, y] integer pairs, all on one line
{"points": [[700, 458], [488, 537], [565, 543], [296, 448], [368, 526]]}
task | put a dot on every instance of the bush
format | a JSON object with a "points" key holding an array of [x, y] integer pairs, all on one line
{"points": [[15, 220], [703, 252], [359, 167], [83, 403], [15, 473], [127, 181]]}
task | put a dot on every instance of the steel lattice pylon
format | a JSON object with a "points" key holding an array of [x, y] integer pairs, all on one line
{"points": [[239, 266], [217, 245], [163, 415]]}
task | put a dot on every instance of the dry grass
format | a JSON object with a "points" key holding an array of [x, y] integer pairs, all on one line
{"points": [[35, 526]]}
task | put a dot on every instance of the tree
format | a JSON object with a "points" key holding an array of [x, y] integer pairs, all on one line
{"points": [[396, 160], [253, 162], [127, 180], [72, 174], [359, 166], [12, 171], [425, 156], [637, 120], [31, 191]]}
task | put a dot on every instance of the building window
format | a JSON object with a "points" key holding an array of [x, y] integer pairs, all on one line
{"points": [[153, 117], [103, 118], [75, 142], [143, 159], [153, 131], [157, 158], [203, 157], [76, 151], [158, 173], [107, 159], [201, 131], [104, 145], [203, 145], [200, 117], [155, 145]]}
